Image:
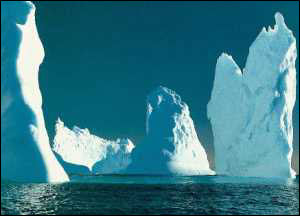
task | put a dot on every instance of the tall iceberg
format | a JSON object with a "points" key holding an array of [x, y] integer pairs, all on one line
{"points": [[81, 149], [251, 111], [25, 150], [171, 146]]}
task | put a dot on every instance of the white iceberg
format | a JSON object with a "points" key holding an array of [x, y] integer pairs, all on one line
{"points": [[171, 146], [251, 111], [81, 149], [25, 150]]}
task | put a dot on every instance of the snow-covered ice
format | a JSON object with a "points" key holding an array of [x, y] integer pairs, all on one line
{"points": [[171, 145], [251, 110], [99, 156], [25, 150]]}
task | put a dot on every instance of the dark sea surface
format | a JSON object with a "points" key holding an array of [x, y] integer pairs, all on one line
{"points": [[123, 195]]}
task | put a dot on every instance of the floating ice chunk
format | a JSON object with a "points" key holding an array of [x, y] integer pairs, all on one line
{"points": [[251, 113], [171, 146], [25, 150], [100, 156]]}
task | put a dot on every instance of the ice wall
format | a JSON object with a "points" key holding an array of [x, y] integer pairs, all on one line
{"points": [[251, 110], [171, 146], [79, 147], [25, 151]]}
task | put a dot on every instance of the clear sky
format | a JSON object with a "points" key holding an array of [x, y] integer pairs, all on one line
{"points": [[103, 58]]}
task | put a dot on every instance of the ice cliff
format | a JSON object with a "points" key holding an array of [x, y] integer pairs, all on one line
{"points": [[25, 150], [171, 145], [251, 110], [79, 148]]}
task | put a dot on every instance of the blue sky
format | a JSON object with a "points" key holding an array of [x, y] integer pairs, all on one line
{"points": [[103, 58]]}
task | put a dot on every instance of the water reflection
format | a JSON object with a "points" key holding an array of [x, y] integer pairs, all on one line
{"points": [[152, 195], [158, 179], [31, 198]]}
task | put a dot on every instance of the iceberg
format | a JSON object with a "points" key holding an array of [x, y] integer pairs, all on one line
{"points": [[251, 110], [80, 152], [26, 154], [171, 145]]}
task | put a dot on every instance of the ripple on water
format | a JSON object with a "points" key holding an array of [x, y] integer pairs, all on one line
{"points": [[153, 195]]}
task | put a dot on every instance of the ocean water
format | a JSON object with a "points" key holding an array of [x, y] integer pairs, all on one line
{"points": [[127, 195]]}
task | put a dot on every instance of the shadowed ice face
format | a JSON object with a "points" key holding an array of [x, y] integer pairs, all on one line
{"points": [[21, 54]]}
